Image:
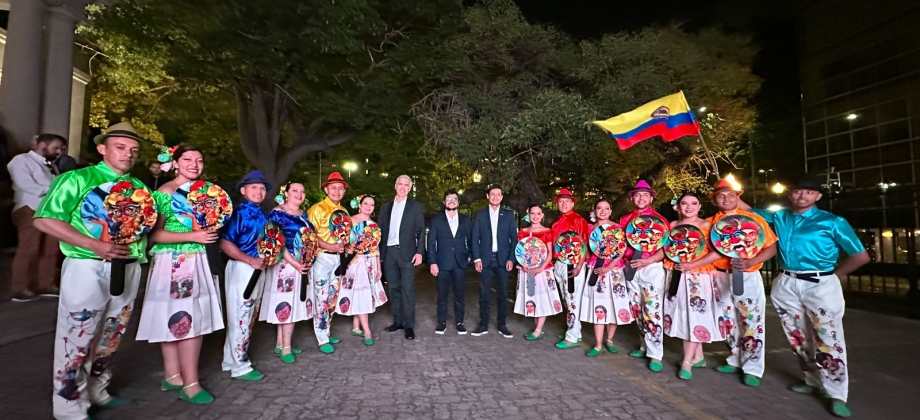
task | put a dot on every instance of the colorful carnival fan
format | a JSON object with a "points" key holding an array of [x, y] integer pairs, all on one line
{"points": [[531, 253], [570, 249], [366, 237], [685, 243], [308, 245], [270, 246], [738, 236], [607, 242], [120, 213], [340, 226], [201, 205], [646, 233]]}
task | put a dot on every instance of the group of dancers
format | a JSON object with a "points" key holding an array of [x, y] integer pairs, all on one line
{"points": [[103, 217]]}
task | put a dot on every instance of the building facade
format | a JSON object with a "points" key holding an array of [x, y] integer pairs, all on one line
{"points": [[860, 82]]}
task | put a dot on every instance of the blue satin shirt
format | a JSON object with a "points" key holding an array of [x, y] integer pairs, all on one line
{"points": [[244, 226], [811, 241], [291, 225]]}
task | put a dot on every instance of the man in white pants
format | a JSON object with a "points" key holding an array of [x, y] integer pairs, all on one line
{"points": [[238, 240], [808, 296], [569, 221], [325, 283], [648, 282], [744, 313], [83, 212]]}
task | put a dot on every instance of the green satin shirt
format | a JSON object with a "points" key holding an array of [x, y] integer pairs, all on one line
{"points": [[811, 241], [172, 224], [68, 195]]}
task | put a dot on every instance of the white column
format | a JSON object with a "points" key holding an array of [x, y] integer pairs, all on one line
{"points": [[58, 72], [20, 86]]}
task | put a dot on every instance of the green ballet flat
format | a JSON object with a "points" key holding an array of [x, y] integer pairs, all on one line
{"points": [[166, 386], [637, 353], [530, 336], [368, 341], [727, 369], [566, 345], [287, 358], [610, 347], [840, 409], [593, 352], [334, 340], [751, 380], [294, 350], [201, 398], [326, 348], [699, 363], [655, 366], [252, 375], [562, 337], [357, 333], [685, 375]]}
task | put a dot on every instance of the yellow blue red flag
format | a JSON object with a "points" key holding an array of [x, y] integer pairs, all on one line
{"points": [[669, 117]]}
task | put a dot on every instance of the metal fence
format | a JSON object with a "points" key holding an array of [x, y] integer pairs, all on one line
{"points": [[869, 280]]}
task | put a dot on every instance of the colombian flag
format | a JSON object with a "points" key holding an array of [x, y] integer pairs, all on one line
{"points": [[669, 117]]}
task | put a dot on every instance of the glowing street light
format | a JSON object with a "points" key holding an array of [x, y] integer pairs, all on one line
{"points": [[350, 166], [774, 208], [778, 188], [702, 109], [733, 182], [852, 117]]}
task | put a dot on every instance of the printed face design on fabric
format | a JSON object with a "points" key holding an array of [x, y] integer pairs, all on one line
{"points": [[667, 323], [180, 324], [738, 236], [182, 283], [570, 248], [270, 243], [607, 241], [530, 307], [382, 297], [309, 307], [623, 314], [201, 205], [683, 244], [646, 233], [112, 333], [340, 226], [283, 311], [285, 281], [600, 312], [118, 213], [531, 253]]}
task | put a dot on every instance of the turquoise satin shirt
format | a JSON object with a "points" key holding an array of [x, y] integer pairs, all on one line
{"points": [[811, 241]]}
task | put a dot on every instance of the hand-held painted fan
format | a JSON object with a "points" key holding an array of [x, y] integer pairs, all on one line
{"points": [[646, 234], [570, 249], [340, 227], [685, 243], [306, 257], [531, 253], [607, 242], [118, 213], [201, 205], [738, 236], [270, 246]]}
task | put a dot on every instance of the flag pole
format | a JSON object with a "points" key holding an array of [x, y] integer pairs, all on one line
{"points": [[712, 160]]}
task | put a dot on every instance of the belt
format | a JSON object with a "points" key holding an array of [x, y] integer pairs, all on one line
{"points": [[393, 246], [722, 270], [809, 276], [126, 260]]}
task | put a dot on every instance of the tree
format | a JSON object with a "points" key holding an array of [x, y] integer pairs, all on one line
{"points": [[516, 104]]}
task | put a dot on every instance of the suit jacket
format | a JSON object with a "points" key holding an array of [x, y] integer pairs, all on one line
{"points": [[444, 248], [482, 235], [411, 229]]}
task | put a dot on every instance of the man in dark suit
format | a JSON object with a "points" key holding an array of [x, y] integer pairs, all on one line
{"points": [[449, 239], [402, 237], [494, 237]]}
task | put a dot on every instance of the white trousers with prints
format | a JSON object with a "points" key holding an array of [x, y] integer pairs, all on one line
{"points": [[648, 285], [572, 300], [744, 321], [812, 316], [90, 324], [325, 293], [241, 315]]}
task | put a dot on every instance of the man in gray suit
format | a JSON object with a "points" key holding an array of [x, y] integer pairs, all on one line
{"points": [[402, 242]]}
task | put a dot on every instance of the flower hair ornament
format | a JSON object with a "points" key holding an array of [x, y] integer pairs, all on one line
{"points": [[280, 197], [355, 202], [527, 217], [593, 217], [165, 157]]}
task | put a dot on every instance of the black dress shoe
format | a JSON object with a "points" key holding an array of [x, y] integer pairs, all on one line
{"points": [[440, 329], [393, 327], [410, 335]]}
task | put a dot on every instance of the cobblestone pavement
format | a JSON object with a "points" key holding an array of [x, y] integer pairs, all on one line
{"points": [[464, 377]]}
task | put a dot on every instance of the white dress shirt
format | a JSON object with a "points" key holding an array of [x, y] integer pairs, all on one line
{"points": [[453, 222], [493, 220], [32, 175], [395, 221]]}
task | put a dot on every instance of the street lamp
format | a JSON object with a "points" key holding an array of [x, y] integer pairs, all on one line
{"points": [[477, 177], [350, 166], [702, 109], [733, 182], [778, 188], [852, 117]]}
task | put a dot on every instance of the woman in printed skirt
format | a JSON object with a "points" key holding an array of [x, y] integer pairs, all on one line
{"points": [[182, 302], [361, 291], [537, 296], [692, 313], [281, 304], [606, 304]]}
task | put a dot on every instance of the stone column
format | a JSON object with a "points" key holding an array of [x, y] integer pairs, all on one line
{"points": [[20, 86], [58, 72]]}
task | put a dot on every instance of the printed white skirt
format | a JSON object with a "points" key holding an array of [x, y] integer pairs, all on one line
{"points": [[182, 299], [281, 302], [537, 296], [607, 302], [692, 314], [361, 291]]}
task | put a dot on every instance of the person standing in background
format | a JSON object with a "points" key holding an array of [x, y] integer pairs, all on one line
{"points": [[448, 256], [494, 238]]}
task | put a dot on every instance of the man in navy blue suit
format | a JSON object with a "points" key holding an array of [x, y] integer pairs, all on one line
{"points": [[494, 237], [449, 239]]}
